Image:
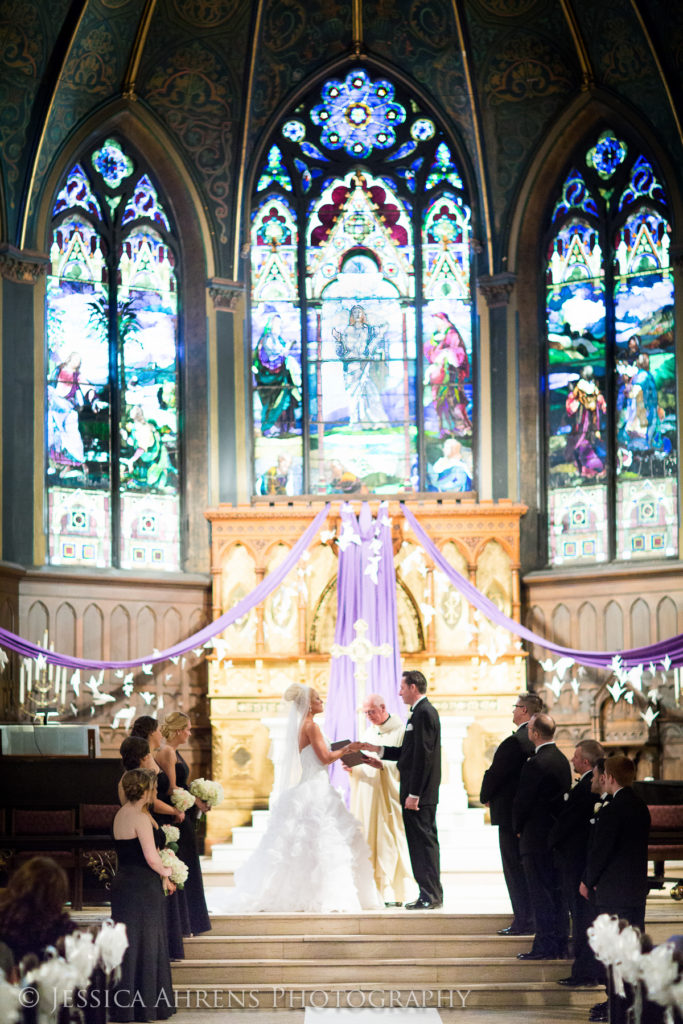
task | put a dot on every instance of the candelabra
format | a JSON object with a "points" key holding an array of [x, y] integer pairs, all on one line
{"points": [[42, 687]]}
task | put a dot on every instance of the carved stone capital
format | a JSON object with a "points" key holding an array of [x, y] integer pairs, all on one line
{"points": [[496, 288], [22, 265], [225, 294]]}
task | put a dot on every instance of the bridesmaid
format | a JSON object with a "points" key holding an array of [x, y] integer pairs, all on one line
{"points": [[176, 731], [144, 991]]}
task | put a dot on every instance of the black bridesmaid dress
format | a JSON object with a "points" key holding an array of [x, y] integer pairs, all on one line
{"points": [[187, 851], [144, 991], [177, 914]]}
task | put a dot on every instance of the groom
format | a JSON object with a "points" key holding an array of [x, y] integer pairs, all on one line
{"points": [[419, 765]]}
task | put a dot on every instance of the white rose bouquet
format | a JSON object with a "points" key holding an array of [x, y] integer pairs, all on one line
{"points": [[178, 867], [182, 800], [172, 836], [208, 791]]}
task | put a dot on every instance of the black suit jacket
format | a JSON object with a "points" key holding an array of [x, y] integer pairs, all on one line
{"points": [[419, 756], [569, 835], [617, 858], [499, 785], [545, 778]]}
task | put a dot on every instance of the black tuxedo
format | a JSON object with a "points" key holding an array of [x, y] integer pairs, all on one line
{"points": [[419, 765], [569, 842], [616, 869], [498, 788], [544, 780]]}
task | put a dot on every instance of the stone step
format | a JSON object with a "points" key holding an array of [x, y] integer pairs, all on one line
{"points": [[385, 971], [353, 948], [397, 922], [376, 994]]}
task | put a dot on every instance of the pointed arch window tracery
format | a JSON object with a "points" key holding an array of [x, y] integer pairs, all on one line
{"points": [[111, 387], [611, 409], [360, 299]]}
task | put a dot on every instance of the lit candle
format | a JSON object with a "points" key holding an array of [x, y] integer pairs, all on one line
{"points": [[63, 672], [29, 674], [22, 681]]}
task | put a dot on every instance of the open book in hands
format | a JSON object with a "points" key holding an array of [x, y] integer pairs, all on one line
{"points": [[353, 758]]}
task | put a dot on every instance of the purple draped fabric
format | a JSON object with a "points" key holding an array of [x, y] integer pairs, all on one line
{"points": [[365, 553], [653, 653], [258, 594]]}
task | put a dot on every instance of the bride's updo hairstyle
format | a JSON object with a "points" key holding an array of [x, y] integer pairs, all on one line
{"points": [[298, 694], [173, 723], [136, 783]]}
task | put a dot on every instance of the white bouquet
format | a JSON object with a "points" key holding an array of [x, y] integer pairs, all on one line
{"points": [[178, 867], [182, 800], [208, 791], [111, 942], [172, 834], [9, 1001]]}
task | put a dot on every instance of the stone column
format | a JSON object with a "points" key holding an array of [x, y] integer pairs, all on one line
{"points": [[227, 395], [496, 290], [453, 796], [22, 274]]}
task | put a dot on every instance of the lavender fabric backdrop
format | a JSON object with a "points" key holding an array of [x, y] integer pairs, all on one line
{"points": [[655, 653], [258, 594], [366, 589]]}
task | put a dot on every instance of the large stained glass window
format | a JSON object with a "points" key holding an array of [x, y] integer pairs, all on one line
{"points": [[113, 493], [611, 380], [361, 304]]}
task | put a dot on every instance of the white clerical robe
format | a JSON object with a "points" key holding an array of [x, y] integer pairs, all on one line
{"points": [[375, 802]]}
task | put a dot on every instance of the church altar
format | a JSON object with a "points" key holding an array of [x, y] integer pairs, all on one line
{"points": [[473, 668]]}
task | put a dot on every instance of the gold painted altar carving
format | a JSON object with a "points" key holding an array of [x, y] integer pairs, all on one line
{"points": [[473, 668]]}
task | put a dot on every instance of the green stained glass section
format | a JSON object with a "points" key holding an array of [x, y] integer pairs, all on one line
{"points": [[78, 464], [443, 169], [274, 172]]}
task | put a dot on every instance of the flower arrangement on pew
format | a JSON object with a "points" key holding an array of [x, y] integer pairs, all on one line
{"points": [[64, 980]]}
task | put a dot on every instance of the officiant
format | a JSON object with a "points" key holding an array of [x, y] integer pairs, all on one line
{"points": [[375, 802]]}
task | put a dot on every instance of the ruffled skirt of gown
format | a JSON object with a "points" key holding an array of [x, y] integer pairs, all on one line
{"points": [[312, 858]]}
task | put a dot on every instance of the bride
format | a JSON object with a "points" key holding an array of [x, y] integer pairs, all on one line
{"points": [[312, 857]]}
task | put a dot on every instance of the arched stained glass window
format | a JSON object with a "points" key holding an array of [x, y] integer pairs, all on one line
{"points": [[361, 304], [611, 380], [113, 490]]}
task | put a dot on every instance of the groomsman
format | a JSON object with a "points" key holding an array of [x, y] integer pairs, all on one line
{"points": [[498, 789], [616, 870], [545, 778], [419, 766], [569, 841]]}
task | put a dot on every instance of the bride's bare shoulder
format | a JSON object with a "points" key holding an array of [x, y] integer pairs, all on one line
{"points": [[308, 731]]}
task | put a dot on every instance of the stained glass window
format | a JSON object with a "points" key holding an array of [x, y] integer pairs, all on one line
{"points": [[113, 492], [611, 372], [353, 390]]}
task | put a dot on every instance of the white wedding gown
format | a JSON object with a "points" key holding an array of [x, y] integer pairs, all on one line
{"points": [[312, 858]]}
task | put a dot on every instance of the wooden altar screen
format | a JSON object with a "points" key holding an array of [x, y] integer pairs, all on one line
{"points": [[473, 668]]}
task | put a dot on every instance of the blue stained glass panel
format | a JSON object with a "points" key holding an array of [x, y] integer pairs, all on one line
{"points": [[145, 203], [306, 177], [643, 184], [358, 114], [311, 151], [295, 131], [607, 154], [112, 163], [405, 150], [77, 192], [422, 129], [575, 196]]}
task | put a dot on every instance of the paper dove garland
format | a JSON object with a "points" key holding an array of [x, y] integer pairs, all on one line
{"points": [[76, 682], [615, 690], [147, 696], [146, 668], [666, 663], [649, 716], [123, 715], [555, 685]]}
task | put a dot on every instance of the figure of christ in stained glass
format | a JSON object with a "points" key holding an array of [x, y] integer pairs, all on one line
{"points": [[577, 421]]}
